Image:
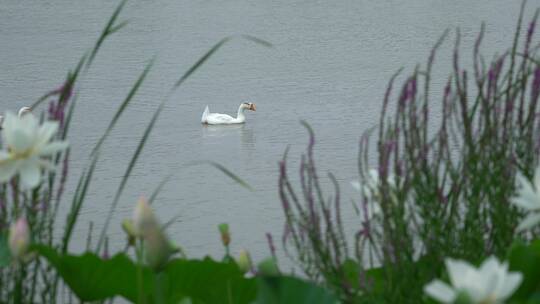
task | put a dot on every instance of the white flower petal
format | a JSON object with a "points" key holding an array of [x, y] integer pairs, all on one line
{"points": [[536, 178], [440, 291], [526, 203], [512, 282], [20, 141], [52, 148], [458, 271], [46, 131], [525, 187], [529, 221], [30, 174], [8, 168], [10, 120]]}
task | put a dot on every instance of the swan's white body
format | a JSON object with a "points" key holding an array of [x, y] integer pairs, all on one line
{"points": [[224, 119]]}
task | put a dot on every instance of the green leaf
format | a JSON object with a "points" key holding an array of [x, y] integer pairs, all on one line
{"points": [[123, 106], [5, 255], [201, 61], [211, 51], [526, 259], [274, 290], [109, 29], [207, 281], [352, 270], [127, 174], [92, 278], [233, 176]]}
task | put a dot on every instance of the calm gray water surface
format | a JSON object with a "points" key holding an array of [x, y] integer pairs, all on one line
{"points": [[329, 66]]}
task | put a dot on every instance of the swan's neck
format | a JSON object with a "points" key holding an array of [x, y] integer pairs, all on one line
{"points": [[240, 115]]}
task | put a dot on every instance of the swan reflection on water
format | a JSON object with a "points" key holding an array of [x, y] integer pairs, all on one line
{"points": [[247, 136]]}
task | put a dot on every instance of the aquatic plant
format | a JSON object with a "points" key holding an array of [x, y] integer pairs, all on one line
{"points": [[443, 183]]}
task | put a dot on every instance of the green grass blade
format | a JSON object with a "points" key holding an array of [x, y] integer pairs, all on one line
{"points": [[109, 29], [78, 200], [233, 176], [158, 188], [201, 61], [130, 167], [70, 80], [69, 116], [123, 106], [257, 40], [210, 52], [118, 27]]}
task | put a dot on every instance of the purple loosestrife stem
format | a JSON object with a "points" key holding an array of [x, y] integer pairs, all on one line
{"points": [[535, 91], [477, 74], [537, 146], [105, 254], [386, 100], [338, 219], [271, 245], [284, 200], [524, 70], [530, 32], [306, 189], [283, 196], [283, 183], [63, 177], [514, 48]]}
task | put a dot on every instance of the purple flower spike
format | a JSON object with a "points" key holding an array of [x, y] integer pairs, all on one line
{"points": [[530, 32], [271, 244], [535, 90]]}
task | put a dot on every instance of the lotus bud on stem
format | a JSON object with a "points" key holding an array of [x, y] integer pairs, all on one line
{"points": [[225, 239], [268, 267], [145, 226], [19, 239], [244, 261], [129, 229]]}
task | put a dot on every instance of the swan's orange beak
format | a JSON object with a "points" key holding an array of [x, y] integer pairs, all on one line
{"points": [[252, 107]]}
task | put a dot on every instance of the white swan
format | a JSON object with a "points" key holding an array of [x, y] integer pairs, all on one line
{"points": [[22, 111], [224, 119]]}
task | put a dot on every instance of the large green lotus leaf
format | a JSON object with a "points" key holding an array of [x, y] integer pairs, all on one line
{"points": [[526, 259], [206, 281], [285, 290], [92, 278]]}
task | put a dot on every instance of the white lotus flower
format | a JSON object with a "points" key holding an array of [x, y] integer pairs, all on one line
{"points": [[489, 284], [528, 198], [25, 144]]}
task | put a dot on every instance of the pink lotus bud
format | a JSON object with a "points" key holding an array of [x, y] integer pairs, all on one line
{"points": [[19, 238], [143, 218]]}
